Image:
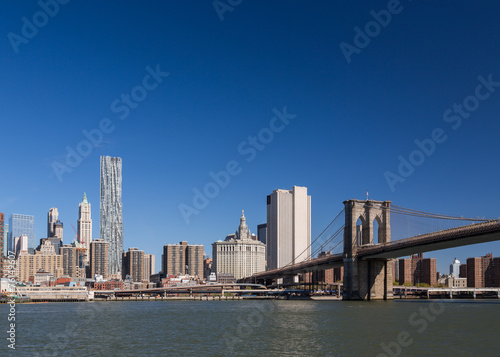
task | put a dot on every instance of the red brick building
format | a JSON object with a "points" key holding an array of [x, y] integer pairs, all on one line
{"points": [[496, 272], [463, 271], [109, 285], [418, 270], [480, 272]]}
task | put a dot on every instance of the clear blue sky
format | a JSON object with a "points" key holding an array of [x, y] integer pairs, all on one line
{"points": [[352, 120]]}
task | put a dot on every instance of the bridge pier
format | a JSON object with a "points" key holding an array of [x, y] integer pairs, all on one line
{"points": [[369, 279]]}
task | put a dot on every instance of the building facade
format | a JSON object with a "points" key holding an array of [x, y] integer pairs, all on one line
{"points": [[29, 264], [133, 265], [111, 216], [262, 233], [20, 244], [240, 254], [417, 270], [20, 224], [99, 256], [455, 268], [288, 227], [480, 272], [52, 218], [84, 229], [2, 236], [149, 266], [73, 261], [181, 259]]}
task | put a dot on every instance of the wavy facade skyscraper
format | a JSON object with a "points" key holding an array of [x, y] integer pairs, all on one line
{"points": [[111, 217]]}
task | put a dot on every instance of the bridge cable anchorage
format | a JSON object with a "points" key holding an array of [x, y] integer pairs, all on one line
{"points": [[310, 245]]}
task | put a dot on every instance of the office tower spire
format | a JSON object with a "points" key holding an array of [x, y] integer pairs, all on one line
{"points": [[85, 226], [111, 221]]}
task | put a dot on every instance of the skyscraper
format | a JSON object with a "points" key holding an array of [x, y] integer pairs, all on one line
{"points": [[288, 227], [52, 218], [180, 259], [133, 264], [99, 256], [85, 226], [455, 268], [262, 233], [20, 224], [149, 266], [111, 221]]}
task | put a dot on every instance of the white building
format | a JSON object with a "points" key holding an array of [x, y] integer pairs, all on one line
{"points": [[21, 244], [240, 254], [288, 227], [455, 268], [85, 226]]}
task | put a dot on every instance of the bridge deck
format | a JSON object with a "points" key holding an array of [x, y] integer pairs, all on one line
{"points": [[449, 238]]}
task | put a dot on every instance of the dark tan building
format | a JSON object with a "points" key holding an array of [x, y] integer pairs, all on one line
{"points": [[99, 258], [73, 261], [182, 259], [133, 264]]}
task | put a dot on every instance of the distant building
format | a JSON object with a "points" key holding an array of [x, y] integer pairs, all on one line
{"points": [[20, 224], [109, 285], [20, 244], [181, 259], [84, 230], [288, 227], [73, 261], [262, 233], [463, 271], [52, 218], [239, 254], [207, 268], [418, 270], [2, 236], [455, 268], [149, 266], [54, 241], [28, 264], [42, 278], [496, 272], [99, 258], [133, 264], [111, 216], [395, 269], [480, 273]]}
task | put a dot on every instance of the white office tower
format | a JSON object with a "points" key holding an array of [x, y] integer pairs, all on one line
{"points": [[288, 227], [85, 226], [111, 218], [455, 268]]}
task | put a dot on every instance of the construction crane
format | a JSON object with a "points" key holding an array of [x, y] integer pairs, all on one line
{"points": [[76, 234]]}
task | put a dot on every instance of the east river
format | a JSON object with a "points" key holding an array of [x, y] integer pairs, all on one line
{"points": [[255, 328]]}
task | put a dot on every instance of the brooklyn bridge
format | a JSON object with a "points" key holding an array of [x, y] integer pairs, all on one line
{"points": [[368, 273]]}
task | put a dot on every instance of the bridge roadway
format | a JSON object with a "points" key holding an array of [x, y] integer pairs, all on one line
{"points": [[449, 238]]}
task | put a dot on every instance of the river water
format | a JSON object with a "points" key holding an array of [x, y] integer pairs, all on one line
{"points": [[256, 328]]}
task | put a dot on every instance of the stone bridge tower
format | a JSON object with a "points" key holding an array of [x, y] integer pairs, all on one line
{"points": [[369, 279]]}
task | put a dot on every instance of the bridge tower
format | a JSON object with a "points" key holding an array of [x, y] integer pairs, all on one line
{"points": [[369, 279]]}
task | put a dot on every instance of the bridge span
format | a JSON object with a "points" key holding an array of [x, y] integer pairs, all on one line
{"points": [[366, 271]]}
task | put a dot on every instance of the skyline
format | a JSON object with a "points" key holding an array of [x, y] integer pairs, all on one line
{"points": [[219, 84]]}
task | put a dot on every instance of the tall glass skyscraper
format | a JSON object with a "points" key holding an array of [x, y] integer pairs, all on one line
{"points": [[111, 217], [20, 224]]}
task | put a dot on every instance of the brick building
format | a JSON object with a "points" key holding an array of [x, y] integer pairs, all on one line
{"points": [[418, 270]]}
